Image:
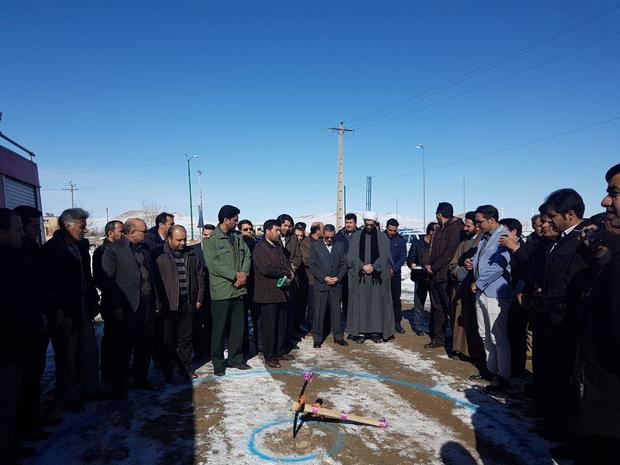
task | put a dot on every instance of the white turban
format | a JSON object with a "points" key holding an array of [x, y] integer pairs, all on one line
{"points": [[370, 216]]}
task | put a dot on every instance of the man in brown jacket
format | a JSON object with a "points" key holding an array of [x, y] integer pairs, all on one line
{"points": [[272, 273], [183, 279], [445, 242]]}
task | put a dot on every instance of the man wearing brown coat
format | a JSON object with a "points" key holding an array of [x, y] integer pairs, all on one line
{"points": [[445, 242], [183, 279], [272, 273]]}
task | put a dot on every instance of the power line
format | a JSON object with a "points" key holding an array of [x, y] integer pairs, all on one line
{"points": [[490, 83], [508, 149], [363, 119]]}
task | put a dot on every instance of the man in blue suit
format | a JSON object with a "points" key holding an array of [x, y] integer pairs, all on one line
{"points": [[492, 286]]}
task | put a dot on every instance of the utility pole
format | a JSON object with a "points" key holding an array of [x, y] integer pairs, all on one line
{"points": [[345, 197], [339, 200], [72, 188], [421, 146], [189, 180], [368, 193], [107, 216], [200, 186]]}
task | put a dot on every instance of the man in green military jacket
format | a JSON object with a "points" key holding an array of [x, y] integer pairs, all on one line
{"points": [[228, 260]]}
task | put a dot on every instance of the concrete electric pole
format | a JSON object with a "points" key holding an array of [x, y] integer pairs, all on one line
{"points": [[339, 201], [72, 188]]}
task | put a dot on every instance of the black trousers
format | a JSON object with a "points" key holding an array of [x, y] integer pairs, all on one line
{"points": [[28, 407], [345, 297], [310, 307], [517, 335], [301, 303], [201, 328], [177, 328], [321, 301], [273, 326], [130, 344], [440, 308], [396, 285], [291, 313]]}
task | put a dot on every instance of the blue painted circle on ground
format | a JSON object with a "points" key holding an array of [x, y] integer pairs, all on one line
{"points": [[252, 444]]}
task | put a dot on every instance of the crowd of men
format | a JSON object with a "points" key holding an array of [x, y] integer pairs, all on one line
{"points": [[494, 297]]}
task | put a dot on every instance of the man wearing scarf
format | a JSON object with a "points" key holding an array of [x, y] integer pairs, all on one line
{"points": [[370, 301]]}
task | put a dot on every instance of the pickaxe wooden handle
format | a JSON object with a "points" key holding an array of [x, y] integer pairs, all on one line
{"points": [[335, 415]]}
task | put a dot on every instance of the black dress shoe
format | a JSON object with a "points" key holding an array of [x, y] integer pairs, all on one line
{"points": [[341, 342], [316, 345], [219, 372], [400, 330], [420, 333], [498, 384], [352, 338], [241, 366], [273, 363], [286, 357], [433, 345]]}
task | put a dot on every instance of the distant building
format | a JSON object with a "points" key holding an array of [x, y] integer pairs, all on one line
{"points": [[19, 180], [50, 224]]}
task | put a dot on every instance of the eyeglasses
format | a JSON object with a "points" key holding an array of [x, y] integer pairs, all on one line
{"points": [[246, 229]]}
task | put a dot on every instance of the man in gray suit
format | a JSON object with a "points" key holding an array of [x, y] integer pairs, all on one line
{"points": [[328, 265]]}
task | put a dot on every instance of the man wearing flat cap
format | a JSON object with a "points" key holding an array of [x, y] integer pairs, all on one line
{"points": [[370, 314], [445, 242]]}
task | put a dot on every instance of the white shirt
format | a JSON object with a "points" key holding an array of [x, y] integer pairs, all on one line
{"points": [[329, 247]]}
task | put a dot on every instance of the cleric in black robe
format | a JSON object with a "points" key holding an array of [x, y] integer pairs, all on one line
{"points": [[370, 297]]}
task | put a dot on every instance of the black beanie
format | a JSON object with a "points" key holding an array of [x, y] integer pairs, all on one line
{"points": [[445, 209]]}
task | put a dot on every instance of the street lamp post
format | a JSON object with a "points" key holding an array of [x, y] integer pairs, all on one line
{"points": [[189, 180], [421, 146]]}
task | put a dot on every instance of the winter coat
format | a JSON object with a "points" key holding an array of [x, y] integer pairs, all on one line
{"points": [[69, 280], [170, 277], [225, 257], [445, 242], [270, 264]]}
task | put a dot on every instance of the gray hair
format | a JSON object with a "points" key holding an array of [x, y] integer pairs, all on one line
{"points": [[329, 228], [71, 215]]}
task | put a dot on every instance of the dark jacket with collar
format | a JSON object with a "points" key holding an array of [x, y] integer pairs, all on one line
{"points": [[418, 255], [445, 242], [170, 277], [153, 240], [600, 406], [323, 263], [69, 280], [398, 249], [565, 278], [344, 238], [269, 264], [123, 276], [292, 251]]}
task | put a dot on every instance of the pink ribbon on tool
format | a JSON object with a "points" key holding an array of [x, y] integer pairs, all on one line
{"points": [[308, 376], [315, 409], [343, 416], [383, 423]]}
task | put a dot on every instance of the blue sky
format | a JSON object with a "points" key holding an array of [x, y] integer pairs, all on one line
{"points": [[111, 94]]}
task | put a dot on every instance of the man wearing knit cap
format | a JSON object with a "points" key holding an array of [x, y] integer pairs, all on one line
{"points": [[370, 299], [445, 242]]}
